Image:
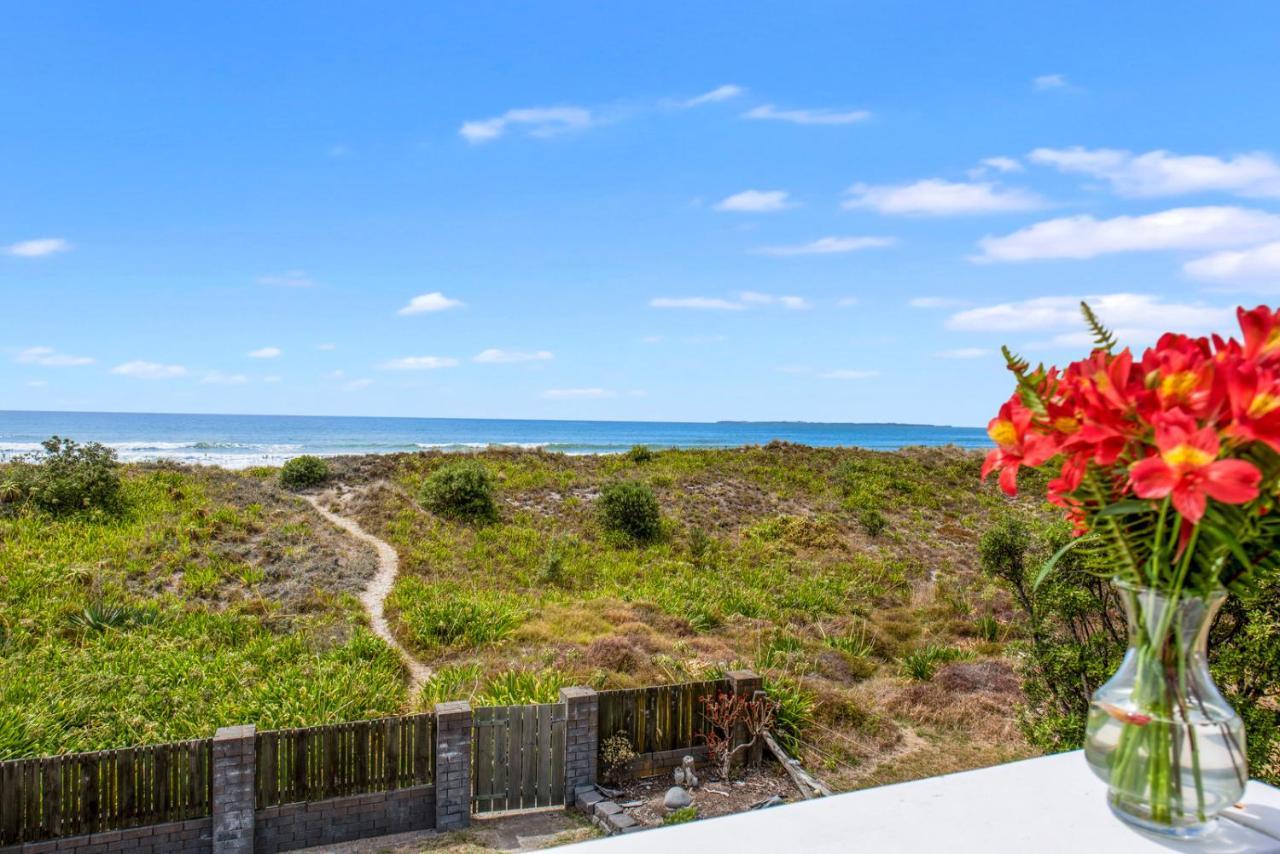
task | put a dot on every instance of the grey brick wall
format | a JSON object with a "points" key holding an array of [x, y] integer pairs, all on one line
{"points": [[234, 766], [582, 738], [453, 765], [178, 837], [292, 826]]}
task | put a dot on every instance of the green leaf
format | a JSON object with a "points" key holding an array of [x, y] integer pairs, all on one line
{"points": [[1102, 336], [1048, 565], [1126, 508]]}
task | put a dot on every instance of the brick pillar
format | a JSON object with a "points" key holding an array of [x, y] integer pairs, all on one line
{"points": [[453, 765], [234, 769], [582, 739], [745, 683]]}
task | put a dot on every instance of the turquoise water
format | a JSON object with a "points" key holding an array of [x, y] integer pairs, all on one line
{"points": [[236, 441]]}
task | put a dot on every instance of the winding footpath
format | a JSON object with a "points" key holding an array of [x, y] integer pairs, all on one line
{"points": [[374, 596]]}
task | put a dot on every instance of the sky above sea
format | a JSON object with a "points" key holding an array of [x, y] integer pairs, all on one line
{"points": [[825, 211]]}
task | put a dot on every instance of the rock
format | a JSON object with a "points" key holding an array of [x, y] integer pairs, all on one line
{"points": [[626, 805], [676, 798]]}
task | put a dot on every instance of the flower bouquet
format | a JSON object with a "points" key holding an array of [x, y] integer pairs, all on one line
{"points": [[1168, 467]]}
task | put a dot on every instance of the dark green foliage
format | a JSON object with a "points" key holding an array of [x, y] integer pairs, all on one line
{"points": [[552, 571], [304, 472], [631, 508], [66, 478], [1077, 638], [461, 490], [872, 521], [702, 548], [640, 454]]}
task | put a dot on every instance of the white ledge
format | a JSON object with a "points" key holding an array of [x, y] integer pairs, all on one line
{"points": [[1049, 804]]}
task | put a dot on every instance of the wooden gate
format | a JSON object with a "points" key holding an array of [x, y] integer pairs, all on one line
{"points": [[518, 759]]}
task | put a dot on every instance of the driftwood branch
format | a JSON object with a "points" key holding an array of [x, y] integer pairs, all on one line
{"points": [[808, 785]]}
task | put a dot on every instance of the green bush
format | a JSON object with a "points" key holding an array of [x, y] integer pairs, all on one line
{"points": [[872, 521], [449, 615], [794, 709], [681, 816], [640, 454], [461, 490], [631, 508], [66, 478], [304, 472], [1077, 638], [921, 664]]}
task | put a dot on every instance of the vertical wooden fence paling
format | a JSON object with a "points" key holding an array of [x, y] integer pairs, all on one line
{"points": [[81, 793], [664, 719], [519, 757]]}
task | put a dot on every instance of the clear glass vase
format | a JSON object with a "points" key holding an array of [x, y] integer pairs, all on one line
{"points": [[1159, 734]]}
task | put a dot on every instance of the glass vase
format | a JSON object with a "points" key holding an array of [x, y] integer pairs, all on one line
{"points": [[1159, 734]]}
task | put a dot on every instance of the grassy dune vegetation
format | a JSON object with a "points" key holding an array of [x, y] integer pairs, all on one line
{"points": [[210, 598], [849, 578]]}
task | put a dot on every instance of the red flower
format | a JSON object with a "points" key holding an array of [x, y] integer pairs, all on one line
{"points": [[1187, 467], [1016, 444], [1261, 328], [1255, 404]]}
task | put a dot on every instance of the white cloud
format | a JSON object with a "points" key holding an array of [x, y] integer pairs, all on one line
{"points": [[826, 246], [37, 383], [495, 356], [356, 385], [1002, 164], [288, 279], [149, 370], [1259, 263], [326, 347], [651, 339], [1135, 318], [39, 248], [577, 394], [51, 358], [965, 353], [701, 303], [848, 375], [1162, 173], [1046, 82], [808, 117], [1178, 228], [756, 201], [265, 353], [847, 302], [720, 93], [937, 197], [539, 121], [419, 363], [434, 301], [273, 378], [788, 302], [220, 378], [936, 302]]}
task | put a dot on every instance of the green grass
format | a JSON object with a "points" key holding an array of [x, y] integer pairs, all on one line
{"points": [[109, 639]]}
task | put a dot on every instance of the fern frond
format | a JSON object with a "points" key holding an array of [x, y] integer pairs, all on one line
{"points": [[1029, 381], [1102, 336]]}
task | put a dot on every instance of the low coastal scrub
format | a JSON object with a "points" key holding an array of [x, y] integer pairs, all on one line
{"points": [[303, 472], [66, 478], [436, 615], [461, 491], [631, 508]]}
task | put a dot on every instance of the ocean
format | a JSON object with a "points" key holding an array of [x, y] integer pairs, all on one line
{"points": [[238, 441]]}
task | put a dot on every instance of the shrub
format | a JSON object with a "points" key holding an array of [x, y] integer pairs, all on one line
{"points": [[631, 508], [988, 628], [68, 477], [304, 472], [702, 547], [640, 454], [461, 490], [793, 709], [872, 521], [552, 571], [616, 754], [681, 816]]}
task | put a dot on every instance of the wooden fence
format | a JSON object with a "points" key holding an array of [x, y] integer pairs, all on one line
{"points": [[315, 763], [658, 719], [53, 796], [518, 757]]}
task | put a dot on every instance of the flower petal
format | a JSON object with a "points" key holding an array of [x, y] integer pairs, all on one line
{"points": [[1152, 478], [1232, 481]]}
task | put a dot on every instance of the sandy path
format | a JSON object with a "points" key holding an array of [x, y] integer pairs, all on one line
{"points": [[374, 596]]}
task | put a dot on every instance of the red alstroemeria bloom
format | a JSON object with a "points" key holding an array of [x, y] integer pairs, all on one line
{"points": [[1016, 445], [1180, 373], [1187, 467], [1261, 329], [1254, 393]]}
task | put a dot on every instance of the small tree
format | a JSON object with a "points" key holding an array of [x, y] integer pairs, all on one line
{"points": [[461, 490], [304, 472], [69, 477], [631, 508], [729, 715]]}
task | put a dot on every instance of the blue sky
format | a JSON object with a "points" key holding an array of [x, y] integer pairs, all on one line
{"points": [[672, 211]]}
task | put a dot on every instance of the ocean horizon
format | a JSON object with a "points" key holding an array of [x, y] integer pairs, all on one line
{"points": [[239, 441]]}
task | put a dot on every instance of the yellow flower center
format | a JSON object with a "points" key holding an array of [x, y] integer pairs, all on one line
{"points": [[1066, 424], [1003, 433], [1178, 386], [1187, 455], [1273, 340], [1262, 404]]}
